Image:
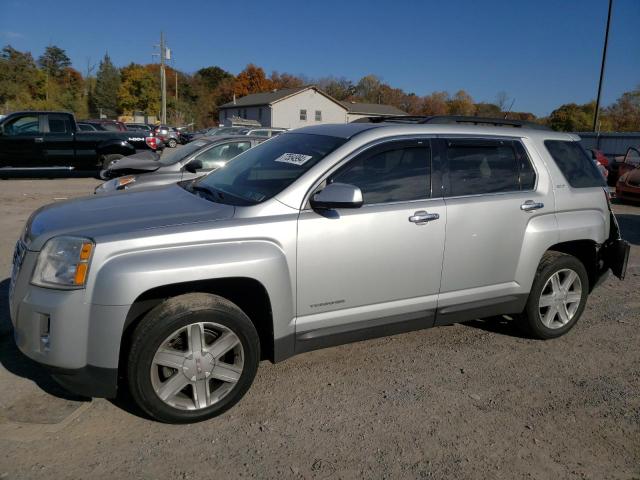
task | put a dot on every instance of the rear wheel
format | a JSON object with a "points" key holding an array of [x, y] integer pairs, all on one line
{"points": [[172, 143], [558, 296], [107, 161], [192, 358]]}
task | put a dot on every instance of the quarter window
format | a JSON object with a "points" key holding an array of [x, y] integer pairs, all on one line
{"points": [[574, 163], [633, 157], [303, 115], [393, 174], [479, 167]]}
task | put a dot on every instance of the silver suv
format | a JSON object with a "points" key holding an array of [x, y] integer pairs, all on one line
{"points": [[326, 235]]}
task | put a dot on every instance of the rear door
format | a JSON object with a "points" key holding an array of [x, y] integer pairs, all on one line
{"points": [[491, 194], [21, 141], [59, 141]]}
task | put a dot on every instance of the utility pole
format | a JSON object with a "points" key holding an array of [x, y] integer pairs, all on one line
{"points": [[596, 114], [163, 80]]}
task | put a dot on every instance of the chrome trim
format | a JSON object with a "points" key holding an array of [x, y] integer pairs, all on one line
{"points": [[421, 217]]}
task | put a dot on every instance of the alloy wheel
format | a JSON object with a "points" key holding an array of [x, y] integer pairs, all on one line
{"points": [[560, 299], [197, 365]]}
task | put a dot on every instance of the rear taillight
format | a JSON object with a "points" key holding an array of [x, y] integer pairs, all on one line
{"points": [[152, 142]]}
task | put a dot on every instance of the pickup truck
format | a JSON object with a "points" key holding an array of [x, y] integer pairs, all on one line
{"points": [[53, 141]]}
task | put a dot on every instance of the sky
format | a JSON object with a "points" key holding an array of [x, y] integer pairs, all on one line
{"points": [[543, 53]]}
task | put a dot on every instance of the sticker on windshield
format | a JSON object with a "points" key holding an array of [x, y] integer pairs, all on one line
{"points": [[294, 158]]}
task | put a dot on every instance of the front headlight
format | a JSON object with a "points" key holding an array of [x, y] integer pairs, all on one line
{"points": [[63, 263]]}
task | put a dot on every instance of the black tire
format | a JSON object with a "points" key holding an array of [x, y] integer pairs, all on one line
{"points": [[551, 263], [107, 160], [172, 143], [165, 319]]}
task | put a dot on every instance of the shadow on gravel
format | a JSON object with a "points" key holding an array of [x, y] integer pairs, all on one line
{"points": [[15, 362], [630, 226], [499, 324]]}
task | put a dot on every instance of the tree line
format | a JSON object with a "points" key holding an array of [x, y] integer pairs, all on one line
{"points": [[51, 83]]}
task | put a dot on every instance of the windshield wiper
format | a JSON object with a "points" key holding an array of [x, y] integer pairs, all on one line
{"points": [[208, 193]]}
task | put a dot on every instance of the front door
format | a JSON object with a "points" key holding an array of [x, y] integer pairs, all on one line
{"points": [[374, 269], [21, 141]]}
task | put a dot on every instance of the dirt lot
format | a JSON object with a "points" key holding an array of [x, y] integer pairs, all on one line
{"points": [[468, 401]]}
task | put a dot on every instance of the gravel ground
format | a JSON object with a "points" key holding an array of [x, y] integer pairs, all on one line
{"points": [[468, 401]]}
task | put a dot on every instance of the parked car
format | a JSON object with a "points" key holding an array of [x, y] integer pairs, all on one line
{"points": [[86, 127], [600, 160], [628, 184], [168, 135], [139, 127], [267, 132], [192, 161], [53, 141], [104, 124], [324, 235]]}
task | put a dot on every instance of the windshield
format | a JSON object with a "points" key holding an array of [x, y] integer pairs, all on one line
{"points": [[264, 171], [169, 157]]}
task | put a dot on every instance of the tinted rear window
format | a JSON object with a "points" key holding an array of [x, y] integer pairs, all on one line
{"points": [[479, 167], [574, 163]]}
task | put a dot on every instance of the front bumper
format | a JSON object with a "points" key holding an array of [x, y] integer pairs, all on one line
{"points": [[77, 341]]}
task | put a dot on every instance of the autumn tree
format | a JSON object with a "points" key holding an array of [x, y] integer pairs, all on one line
{"points": [[483, 109], [210, 77], [368, 89], [571, 117], [21, 83], [624, 114], [251, 80], [138, 90], [285, 80], [338, 88], [461, 104], [105, 94], [435, 104]]}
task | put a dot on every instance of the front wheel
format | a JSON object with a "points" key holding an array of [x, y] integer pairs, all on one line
{"points": [[192, 358], [172, 143], [558, 296], [107, 162]]}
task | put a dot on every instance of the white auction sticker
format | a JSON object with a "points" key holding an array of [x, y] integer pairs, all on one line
{"points": [[294, 158]]}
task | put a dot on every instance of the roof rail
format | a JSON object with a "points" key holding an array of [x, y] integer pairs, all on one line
{"points": [[457, 119]]}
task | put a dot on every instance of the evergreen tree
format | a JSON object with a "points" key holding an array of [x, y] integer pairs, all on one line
{"points": [[104, 97]]}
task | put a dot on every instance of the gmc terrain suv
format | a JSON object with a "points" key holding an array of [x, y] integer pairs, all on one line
{"points": [[321, 236]]}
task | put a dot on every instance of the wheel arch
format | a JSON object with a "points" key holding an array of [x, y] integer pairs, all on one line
{"points": [[586, 251], [119, 147], [248, 294]]}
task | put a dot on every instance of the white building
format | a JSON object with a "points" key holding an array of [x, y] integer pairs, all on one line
{"points": [[298, 107]]}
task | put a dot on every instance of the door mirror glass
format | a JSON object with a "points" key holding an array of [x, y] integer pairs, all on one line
{"points": [[337, 195], [193, 166]]}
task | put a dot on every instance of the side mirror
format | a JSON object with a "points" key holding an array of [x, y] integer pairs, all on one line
{"points": [[337, 195], [193, 166]]}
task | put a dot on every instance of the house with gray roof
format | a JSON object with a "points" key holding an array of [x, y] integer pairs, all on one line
{"points": [[356, 110], [297, 107]]}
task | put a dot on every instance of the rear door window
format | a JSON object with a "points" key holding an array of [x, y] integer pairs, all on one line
{"points": [[574, 163], [59, 124], [477, 167]]}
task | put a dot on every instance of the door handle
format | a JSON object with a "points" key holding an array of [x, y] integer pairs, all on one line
{"points": [[421, 217], [530, 205], [38, 139]]}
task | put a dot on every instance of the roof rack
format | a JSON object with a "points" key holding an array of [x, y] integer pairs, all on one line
{"points": [[457, 119]]}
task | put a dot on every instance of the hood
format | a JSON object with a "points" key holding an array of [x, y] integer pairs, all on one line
{"points": [[146, 161], [122, 213]]}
